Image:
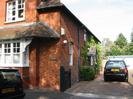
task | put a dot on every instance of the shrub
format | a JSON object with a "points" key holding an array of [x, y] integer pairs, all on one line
{"points": [[87, 73]]}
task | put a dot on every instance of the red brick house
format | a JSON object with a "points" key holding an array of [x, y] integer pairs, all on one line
{"points": [[42, 39]]}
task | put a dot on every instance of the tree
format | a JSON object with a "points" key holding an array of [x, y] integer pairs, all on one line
{"points": [[114, 51], [129, 49], [121, 41], [132, 37]]}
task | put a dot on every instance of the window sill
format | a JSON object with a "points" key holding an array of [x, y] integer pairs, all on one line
{"points": [[12, 65], [8, 22]]}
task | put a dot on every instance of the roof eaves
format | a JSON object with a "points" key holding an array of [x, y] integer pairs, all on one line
{"points": [[64, 8]]}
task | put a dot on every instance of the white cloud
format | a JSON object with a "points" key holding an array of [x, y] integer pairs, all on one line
{"points": [[105, 18]]}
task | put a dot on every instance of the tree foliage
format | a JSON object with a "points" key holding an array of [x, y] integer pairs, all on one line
{"points": [[120, 47], [129, 49], [121, 41], [90, 43]]}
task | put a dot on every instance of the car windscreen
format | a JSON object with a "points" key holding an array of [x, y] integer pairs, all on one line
{"points": [[115, 64], [10, 75]]}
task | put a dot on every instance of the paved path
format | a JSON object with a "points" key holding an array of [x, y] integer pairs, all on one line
{"points": [[97, 89]]}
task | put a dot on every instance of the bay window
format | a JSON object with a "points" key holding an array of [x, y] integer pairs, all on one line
{"points": [[14, 53]]}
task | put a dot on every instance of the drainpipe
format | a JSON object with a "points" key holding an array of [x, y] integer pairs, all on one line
{"points": [[78, 53]]}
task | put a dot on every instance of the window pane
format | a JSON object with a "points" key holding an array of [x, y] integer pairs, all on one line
{"points": [[0, 48], [7, 47], [19, 1], [14, 3], [20, 13], [18, 44], [9, 50], [7, 58], [13, 18], [5, 50], [0, 58], [13, 13], [18, 50], [16, 58], [19, 6], [16, 47], [14, 44]]}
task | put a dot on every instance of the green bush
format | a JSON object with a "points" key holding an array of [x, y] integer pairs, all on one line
{"points": [[87, 73]]}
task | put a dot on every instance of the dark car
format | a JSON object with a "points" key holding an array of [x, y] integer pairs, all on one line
{"points": [[115, 70], [11, 86]]}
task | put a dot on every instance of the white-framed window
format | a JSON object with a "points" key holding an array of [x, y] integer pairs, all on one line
{"points": [[15, 10], [85, 37], [14, 53], [71, 54], [92, 61]]}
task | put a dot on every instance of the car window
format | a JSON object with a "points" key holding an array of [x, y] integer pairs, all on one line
{"points": [[10, 76], [115, 64]]}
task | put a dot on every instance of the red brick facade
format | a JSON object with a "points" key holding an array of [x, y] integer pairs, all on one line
{"points": [[46, 56]]}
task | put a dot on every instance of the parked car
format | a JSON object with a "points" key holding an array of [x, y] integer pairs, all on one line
{"points": [[11, 86], [115, 70]]}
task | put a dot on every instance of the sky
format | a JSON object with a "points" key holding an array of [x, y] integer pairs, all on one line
{"points": [[104, 18]]}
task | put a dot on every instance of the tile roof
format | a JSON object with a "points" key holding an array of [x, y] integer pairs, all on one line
{"points": [[50, 4], [38, 29]]}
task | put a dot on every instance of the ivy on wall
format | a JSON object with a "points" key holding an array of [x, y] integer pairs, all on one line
{"points": [[87, 72]]}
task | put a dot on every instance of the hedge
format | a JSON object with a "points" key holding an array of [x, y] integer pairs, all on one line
{"points": [[87, 73]]}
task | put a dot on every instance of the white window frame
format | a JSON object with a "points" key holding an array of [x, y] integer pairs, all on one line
{"points": [[9, 11], [85, 37], [71, 54], [92, 61], [24, 50]]}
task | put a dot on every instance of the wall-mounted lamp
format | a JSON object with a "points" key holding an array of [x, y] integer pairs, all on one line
{"points": [[65, 42]]}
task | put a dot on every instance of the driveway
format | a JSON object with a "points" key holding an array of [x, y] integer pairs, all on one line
{"points": [[97, 89]]}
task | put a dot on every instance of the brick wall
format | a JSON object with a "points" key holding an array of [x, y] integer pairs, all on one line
{"points": [[45, 64], [71, 29], [30, 12], [46, 56], [52, 19]]}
